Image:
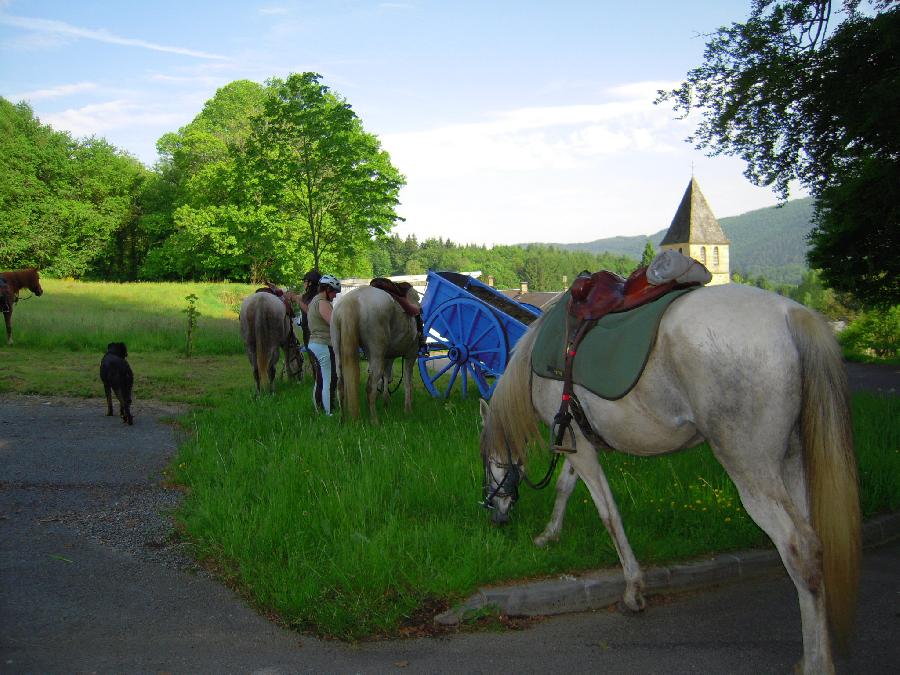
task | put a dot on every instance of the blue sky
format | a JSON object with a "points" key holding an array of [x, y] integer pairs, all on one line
{"points": [[512, 121]]}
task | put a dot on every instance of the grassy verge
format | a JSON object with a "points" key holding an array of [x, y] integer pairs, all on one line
{"points": [[349, 530]]}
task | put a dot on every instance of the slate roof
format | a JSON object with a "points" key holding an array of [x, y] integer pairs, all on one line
{"points": [[694, 222]]}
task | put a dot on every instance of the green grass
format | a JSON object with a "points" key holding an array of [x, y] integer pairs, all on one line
{"points": [[148, 317], [349, 530]]}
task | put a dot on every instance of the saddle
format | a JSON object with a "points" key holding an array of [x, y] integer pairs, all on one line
{"points": [[601, 293], [397, 291], [593, 296], [278, 293]]}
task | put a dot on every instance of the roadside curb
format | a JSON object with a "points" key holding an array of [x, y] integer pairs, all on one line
{"points": [[597, 590]]}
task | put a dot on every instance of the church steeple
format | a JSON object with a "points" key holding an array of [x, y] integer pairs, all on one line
{"points": [[696, 232]]}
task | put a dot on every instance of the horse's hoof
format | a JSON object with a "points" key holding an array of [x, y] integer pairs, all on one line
{"points": [[631, 606], [542, 540]]}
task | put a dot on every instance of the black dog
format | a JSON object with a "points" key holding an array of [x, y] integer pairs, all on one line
{"points": [[117, 376]]}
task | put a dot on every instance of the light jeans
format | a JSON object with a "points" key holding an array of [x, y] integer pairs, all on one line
{"points": [[323, 390]]}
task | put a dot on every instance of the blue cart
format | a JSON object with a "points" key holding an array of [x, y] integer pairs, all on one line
{"points": [[471, 329]]}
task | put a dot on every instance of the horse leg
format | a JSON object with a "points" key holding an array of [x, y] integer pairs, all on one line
{"points": [[587, 466], [273, 367], [774, 495], [407, 384], [7, 316], [251, 355], [376, 375], [564, 486]]}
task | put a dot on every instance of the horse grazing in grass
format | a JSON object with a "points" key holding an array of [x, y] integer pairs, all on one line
{"points": [[266, 328], [12, 283], [761, 379], [370, 318]]}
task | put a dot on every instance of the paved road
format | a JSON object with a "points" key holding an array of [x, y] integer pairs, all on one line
{"points": [[88, 586]]}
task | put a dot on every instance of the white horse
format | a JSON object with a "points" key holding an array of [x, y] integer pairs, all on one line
{"points": [[265, 329], [761, 379], [370, 318]]}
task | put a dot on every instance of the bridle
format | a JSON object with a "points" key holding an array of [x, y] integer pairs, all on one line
{"points": [[491, 488], [293, 353]]}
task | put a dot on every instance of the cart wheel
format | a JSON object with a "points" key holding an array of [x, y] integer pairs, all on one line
{"points": [[466, 341]]}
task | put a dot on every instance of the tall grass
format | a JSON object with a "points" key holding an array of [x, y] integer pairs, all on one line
{"points": [[148, 317]]}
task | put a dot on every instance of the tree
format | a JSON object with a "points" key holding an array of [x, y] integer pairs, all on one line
{"points": [[206, 219], [799, 101], [63, 200], [329, 179], [648, 255]]}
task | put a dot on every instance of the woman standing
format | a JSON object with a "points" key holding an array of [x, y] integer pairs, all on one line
{"points": [[319, 317]]}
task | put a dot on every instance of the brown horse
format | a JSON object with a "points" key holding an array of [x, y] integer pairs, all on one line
{"points": [[13, 282], [265, 329]]}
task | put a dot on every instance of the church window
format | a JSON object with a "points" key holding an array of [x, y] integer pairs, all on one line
{"points": [[703, 254], [715, 256]]}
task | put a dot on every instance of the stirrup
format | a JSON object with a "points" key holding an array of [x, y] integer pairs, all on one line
{"points": [[561, 449]]}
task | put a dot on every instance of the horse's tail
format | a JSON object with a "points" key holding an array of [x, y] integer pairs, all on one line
{"points": [[347, 325], [260, 331], [830, 466]]}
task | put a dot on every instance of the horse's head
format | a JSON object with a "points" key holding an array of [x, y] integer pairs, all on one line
{"points": [[34, 282], [502, 471]]}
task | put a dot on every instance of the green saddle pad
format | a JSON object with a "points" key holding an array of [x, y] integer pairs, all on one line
{"points": [[612, 355]]}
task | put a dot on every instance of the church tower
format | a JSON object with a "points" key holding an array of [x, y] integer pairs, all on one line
{"points": [[695, 232]]}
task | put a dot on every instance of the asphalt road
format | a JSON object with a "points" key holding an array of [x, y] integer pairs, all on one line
{"points": [[89, 584]]}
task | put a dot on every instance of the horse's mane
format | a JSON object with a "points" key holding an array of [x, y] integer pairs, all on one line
{"points": [[512, 421]]}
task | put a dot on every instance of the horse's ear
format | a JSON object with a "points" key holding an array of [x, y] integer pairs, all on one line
{"points": [[484, 409]]}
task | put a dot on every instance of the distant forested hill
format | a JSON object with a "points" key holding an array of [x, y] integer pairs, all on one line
{"points": [[769, 242]]}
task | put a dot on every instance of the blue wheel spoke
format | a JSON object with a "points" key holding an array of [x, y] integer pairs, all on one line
{"points": [[483, 333], [448, 334], [452, 379], [442, 370], [465, 382], [489, 350]]}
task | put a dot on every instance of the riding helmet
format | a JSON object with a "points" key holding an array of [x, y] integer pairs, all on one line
{"points": [[331, 282]]}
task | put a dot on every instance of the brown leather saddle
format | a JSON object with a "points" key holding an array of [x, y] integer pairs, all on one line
{"points": [[397, 291], [601, 293]]}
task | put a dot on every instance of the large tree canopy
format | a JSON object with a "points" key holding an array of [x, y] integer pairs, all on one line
{"points": [[61, 200], [801, 95], [312, 161], [266, 182]]}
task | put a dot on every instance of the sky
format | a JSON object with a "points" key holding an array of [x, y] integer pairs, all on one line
{"points": [[512, 120]]}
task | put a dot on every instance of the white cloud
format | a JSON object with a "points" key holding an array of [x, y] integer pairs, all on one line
{"points": [[100, 118], [54, 92], [100, 35], [539, 138]]}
